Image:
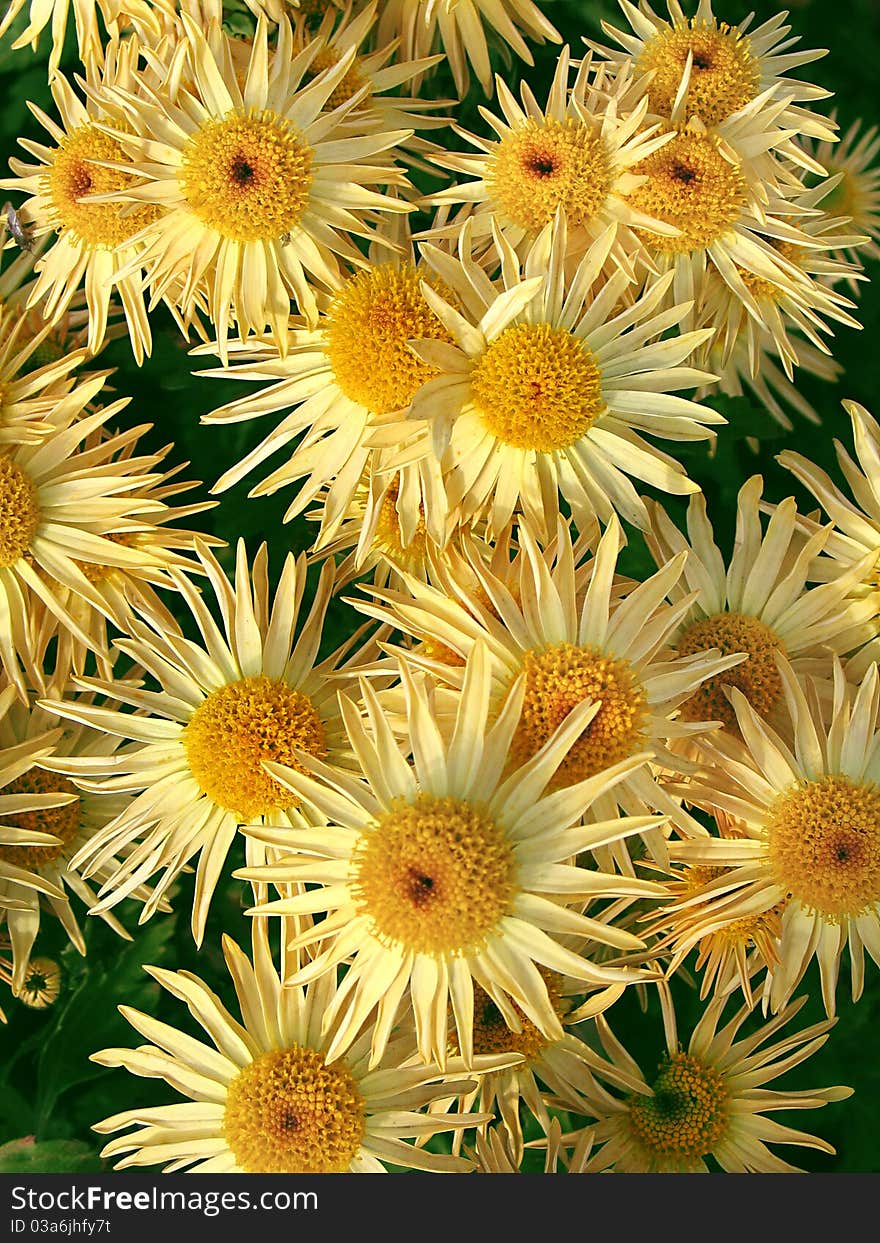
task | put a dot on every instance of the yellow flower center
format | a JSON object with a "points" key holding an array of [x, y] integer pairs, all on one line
{"points": [[62, 822], [687, 1115], [239, 726], [435, 876], [537, 387], [366, 332], [248, 176], [547, 164], [42, 984], [352, 82], [724, 75], [491, 1033], [824, 845], [288, 1112], [19, 511], [557, 680], [72, 175], [692, 186], [388, 538], [758, 677]]}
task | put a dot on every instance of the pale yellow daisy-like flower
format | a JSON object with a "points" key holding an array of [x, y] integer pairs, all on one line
{"points": [[759, 603], [854, 542], [444, 874], [460, 28], [257, 189], [267, 1096], [733, 223], [250, 691], [341, 388], [575, 153], [30, 383], [42, 984], [550, 1068], [707, 1103], [566, 636], [810, 815], [853, 164], [549, 384], [707, 69], [116, 16], [116, 590], [804, 306], [38, 876], [66, 504], [93, 248]]}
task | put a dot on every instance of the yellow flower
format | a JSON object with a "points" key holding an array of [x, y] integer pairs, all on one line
{"points": [[706, 1103], [251, 692], [255, 189], [266, 1096], [444, 874]]}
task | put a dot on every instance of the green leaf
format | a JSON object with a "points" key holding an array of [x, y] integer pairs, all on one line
{"points": [[56, 1156]]}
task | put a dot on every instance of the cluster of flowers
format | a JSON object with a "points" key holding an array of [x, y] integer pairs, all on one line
{"points": [[527, 784]]}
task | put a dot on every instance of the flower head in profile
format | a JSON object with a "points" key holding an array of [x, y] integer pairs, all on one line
{"points": [[257, 190], [551, 382], [853, 189], [212, 711], [706, 1105], [445, 874], [809, 815], [266, 1096], [114, 14]]}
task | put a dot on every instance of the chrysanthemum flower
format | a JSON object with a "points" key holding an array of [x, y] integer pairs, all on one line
{"points": [[707, 69], [461, 28], [255, 188], [729, 955], [758, 604], [44, 819], [93, 248], [266, 1096], [572, 642], [575, 153], [30, 387], [249, 692], [804, 306], [708, 1103], [116, 15], [853, 164], [549, 1069], [854, 542], [446, 874], [344, 386], [548, 385], [712, 186], [156, 543], [42, 983], [810, 815], [67, 503]]}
